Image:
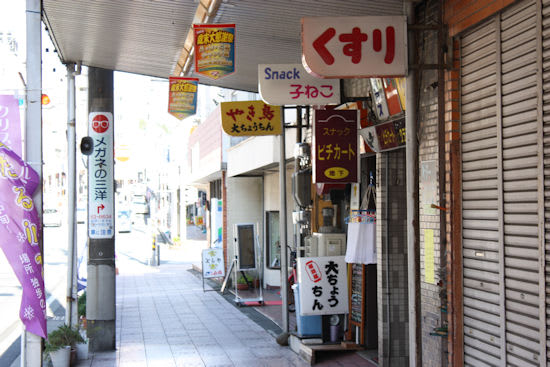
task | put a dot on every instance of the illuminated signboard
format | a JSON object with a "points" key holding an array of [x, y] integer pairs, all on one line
{"points": [[335, 146], [251, 118], [346, 47], [291, 84], [323, 285]]}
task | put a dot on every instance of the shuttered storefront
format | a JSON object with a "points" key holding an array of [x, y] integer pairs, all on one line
{"points": [[503, 189], [546, 153]]}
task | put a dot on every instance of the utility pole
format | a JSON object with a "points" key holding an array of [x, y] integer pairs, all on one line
{"points": [[31, 344], [100, 294]]}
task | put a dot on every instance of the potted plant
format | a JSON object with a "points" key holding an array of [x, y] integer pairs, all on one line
{"points": [[82, 348], [59, 344], [81, 307], [241, 284]]}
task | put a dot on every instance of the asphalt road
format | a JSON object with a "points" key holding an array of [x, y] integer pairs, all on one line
{"points": [[55, 273], [132, 248]]}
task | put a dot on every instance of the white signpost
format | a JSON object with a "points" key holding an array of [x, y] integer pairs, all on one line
{"points": [[353, 47], [101, 181], [291, 84], [323, 285]]}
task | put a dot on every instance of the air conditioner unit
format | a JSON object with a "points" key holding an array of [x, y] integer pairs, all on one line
{"points": [[325, 244]]}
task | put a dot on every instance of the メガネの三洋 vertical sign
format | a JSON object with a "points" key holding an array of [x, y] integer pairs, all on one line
{"points": [[101, 185]]}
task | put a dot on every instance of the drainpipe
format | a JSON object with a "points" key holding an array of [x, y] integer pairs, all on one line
{"points": [[386, 252], [282, 227], [71, 317], [413, 277]]}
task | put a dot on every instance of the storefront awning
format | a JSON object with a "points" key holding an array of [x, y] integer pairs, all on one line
{"points": [[149, 36]]}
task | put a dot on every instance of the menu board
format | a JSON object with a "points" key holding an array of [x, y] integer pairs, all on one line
{"points": [[356, 298]]}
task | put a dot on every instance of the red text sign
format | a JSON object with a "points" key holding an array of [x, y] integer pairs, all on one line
{"points": [[340, 47]]}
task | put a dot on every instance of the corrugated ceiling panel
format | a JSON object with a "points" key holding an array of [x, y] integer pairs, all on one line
{"points": [[146, 37]]}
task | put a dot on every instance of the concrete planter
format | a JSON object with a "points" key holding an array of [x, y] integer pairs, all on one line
{"points": [[61, 357], [82, 350]]}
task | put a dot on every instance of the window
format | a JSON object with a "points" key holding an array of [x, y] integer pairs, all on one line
{"points": [[273, 244]]}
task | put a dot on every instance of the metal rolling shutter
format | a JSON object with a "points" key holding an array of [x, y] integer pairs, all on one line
{"points": [[503, 274], [546, 127]]}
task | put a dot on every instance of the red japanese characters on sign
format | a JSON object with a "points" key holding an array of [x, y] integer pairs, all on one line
{"points": [[290, 84], [335, 146], [355, 46]]}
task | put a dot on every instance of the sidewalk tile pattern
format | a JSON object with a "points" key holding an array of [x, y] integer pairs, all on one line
{"points": [[165, 319]]}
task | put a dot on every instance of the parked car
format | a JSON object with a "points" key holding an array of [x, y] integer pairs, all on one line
{"points": [[140, 205], [81, 214], [52, 218], [123, 221]]}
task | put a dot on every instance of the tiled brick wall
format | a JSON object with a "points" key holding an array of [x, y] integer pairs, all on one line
{"points": [[432, 293], [393, 338], [224, 215]]}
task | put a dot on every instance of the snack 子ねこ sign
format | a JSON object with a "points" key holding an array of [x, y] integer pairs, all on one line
{"points": [[251, 118], [344, 47], [290, 84], [214, 49], [335, 146]]}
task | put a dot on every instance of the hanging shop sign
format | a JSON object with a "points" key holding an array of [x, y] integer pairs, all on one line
{"points": [[323, 285], [182, 97], [251, 118], [392, 96], [214, 49], [401, 86], [10, 124], [379, 99], [365, 121], [387, 136], [212, 263], [291, 84], [335, 146], [101, 181], [346, 47]]}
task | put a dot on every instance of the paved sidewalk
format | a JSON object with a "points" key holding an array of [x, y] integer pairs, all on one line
{"points": [[165, 319]]}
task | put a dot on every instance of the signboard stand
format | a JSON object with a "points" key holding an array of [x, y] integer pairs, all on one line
{"points": [[212, 265], [248, 259], [224, 284]]}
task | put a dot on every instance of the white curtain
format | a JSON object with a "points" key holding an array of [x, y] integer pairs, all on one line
{"points": [[361, 243]]}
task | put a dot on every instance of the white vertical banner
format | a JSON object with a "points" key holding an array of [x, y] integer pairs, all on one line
{"points": [[216, 222], [323, 285], [101, 178]]}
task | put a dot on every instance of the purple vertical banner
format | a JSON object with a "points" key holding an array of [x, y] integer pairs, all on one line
{"points": [[20, 231], [10, 124]]}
